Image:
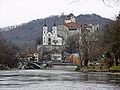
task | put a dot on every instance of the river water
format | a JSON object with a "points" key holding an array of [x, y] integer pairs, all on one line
{"points": [[57, 80]]}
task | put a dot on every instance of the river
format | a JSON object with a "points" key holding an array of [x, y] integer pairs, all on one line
{"points": [[57, 80]]}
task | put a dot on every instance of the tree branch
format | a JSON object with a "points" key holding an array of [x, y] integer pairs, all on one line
{"points": [[104, 1]]}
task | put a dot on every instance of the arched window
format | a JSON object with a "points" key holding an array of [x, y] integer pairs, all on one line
{"points": [[49, 41], [97, 29]]}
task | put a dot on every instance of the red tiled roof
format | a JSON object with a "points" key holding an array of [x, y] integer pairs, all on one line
{"points": [[82, 24], [94, 23], [25, 55], [72, 25], [71, 14]]}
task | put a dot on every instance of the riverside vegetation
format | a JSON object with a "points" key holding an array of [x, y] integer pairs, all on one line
{"points": [[108, 54]]}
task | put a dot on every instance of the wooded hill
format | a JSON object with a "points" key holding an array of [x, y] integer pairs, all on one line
{"points": [[25, 35]]}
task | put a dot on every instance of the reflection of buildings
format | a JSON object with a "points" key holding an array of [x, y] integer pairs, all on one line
{"points": [[56, 39]]}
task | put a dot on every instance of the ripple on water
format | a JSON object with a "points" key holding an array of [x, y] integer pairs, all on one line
{"points": [[56, 80]]}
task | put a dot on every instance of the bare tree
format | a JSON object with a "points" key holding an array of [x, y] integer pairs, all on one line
{"points": [[90, 47], [72, 44], [39, 40], [86, 44], [9, 53], [109, 3]]}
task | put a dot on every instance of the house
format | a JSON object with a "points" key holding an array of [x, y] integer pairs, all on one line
{"points": [[73, 58], [36, 56]]}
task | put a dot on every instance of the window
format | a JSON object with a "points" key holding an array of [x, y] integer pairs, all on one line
{"points": [[44, 39], [72, 29], [97, 29], [48, 34]]}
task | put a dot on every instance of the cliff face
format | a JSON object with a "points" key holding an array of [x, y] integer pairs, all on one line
{"points": [[25, 35]]}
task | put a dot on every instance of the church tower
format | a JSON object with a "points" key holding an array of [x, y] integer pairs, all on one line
{"points": [[45, 30], [54, 30]]}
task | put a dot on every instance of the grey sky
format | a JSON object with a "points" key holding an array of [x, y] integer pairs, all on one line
{"points": [[14, 12]]}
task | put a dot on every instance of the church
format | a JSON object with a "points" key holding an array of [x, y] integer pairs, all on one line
{"points": [[53, 43], [51, 38]]}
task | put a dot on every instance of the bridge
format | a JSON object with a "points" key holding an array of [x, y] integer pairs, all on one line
{"points": [[40, 65], [67, 64]]}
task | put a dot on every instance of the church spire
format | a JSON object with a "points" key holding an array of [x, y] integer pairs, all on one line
{"points": [[45, 24], [54, 24]]}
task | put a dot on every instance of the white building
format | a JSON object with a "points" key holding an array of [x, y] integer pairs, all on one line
{"points": [[50, 43], [51, 38]]}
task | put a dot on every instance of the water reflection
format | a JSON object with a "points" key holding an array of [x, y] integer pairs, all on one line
{"points": [[57, 80]]}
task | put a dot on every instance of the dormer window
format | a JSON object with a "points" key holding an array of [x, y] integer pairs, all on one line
{"points": [[71, 17]]}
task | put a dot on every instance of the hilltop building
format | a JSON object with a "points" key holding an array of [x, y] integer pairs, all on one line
{"points": [[51, 38], [55, 40], [51, 44]]}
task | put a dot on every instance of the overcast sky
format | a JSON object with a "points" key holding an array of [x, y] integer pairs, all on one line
{"points": [[14, 12]]}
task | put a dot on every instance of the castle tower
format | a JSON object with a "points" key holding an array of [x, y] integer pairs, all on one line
{"points": [[70, 19], [45, 30]]}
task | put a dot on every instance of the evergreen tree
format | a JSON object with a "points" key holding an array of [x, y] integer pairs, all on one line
{"points": [[112, 38]]}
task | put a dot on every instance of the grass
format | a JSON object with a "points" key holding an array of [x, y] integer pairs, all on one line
{"points": [[115, 68], [104, 67], [96, 68]]}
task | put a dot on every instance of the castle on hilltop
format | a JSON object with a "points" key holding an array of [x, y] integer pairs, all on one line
{"points": [[53, 42]]}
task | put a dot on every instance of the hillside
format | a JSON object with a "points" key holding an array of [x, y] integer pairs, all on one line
{"points": [[26, 34]]}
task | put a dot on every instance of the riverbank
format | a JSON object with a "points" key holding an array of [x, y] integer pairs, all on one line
{"points": [[114, 70], [111, 73]]}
